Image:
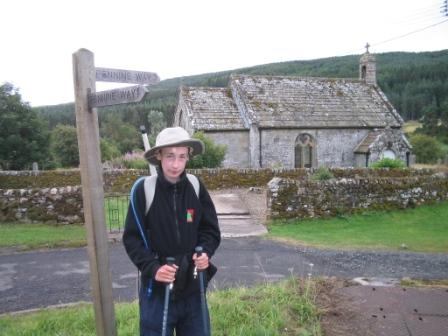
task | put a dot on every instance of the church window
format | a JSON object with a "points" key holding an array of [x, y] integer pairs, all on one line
{"points": [[304, 151]]}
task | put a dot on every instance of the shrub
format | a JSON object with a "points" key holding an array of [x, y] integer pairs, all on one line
{"points": [[322, 174], [388, 163], [213, 156], [426, 148], [132, 160]]}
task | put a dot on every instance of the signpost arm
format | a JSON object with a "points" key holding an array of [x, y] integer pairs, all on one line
{"points": [[92, 192]]}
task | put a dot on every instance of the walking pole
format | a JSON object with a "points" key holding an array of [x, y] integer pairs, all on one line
{"points": [[152, 169], [168, 288], [198, 251]]}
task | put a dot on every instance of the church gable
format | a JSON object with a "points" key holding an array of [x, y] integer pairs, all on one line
{"points": [[285, 102]]}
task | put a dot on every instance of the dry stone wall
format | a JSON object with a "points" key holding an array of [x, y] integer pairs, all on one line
{"points": [[288, 198], [49, 205], [44, 197]]}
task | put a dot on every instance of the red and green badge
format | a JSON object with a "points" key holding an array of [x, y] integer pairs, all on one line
{"points": [[190, 215]]}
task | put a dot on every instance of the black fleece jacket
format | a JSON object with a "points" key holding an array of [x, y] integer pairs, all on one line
{"points": [[176, 223]]}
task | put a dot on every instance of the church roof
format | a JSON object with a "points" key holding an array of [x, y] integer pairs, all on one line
{"points": [[364, 146], [211, 108], [283, 102]]}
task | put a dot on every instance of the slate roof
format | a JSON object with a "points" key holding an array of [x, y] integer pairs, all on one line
{"points": [[211, 108], [364, 145], [293, 102]]}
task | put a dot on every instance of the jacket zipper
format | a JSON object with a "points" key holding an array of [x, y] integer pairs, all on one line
{"points": [[175, 215]]}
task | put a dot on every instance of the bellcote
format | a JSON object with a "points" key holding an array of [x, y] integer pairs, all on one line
{"points": [[367, 67]]}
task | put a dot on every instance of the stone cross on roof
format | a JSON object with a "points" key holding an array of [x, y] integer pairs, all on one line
{"points": [[367, 47]]}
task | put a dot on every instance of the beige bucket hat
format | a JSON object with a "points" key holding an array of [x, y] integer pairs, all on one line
{"points": [[174, 137]]}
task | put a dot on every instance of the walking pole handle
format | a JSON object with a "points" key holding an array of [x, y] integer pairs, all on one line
{"points": [[170, 261], [198, 250]]}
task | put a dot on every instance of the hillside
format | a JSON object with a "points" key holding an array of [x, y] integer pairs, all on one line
{"points": [[412, 82]]}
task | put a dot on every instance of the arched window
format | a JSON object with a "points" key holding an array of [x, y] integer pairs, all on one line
{"points": [[304, 151]]}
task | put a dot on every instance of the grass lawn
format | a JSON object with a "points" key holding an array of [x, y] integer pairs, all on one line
{"points": [[423, 229], [271, 309], [29, 236], [411, 125]]}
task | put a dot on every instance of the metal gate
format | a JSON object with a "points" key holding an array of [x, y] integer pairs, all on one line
{"points": [[116, 208]]}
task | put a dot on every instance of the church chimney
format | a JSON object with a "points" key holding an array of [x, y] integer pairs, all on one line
{"points": [[367, 67]]}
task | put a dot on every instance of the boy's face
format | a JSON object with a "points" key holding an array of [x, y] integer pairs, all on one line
{"points": [[173, 161]]}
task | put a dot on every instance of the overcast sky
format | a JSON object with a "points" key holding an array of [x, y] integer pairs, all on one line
{"points": [[185, 37]]}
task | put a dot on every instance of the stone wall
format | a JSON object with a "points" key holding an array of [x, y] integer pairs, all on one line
{"points": [[288, 198], [115, 181], [50, 205], [35, 197]]}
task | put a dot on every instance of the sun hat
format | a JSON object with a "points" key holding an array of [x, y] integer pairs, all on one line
{"points": [[174, 137]]}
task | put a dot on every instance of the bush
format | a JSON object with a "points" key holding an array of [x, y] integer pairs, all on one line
{"points": [[388, 163], [108, 150], [132, 160], [213, 156], [322, 174], [64, 146], [426, 148]]}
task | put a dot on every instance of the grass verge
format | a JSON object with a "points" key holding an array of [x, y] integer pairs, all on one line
{"points": [[424, 283], [423, 229], [285, 308], [30, 236]]}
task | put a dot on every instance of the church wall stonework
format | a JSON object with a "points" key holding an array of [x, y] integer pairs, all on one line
{"points": [[334, 147], [237, 143]]}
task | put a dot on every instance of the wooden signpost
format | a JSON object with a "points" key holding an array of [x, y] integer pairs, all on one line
{"points": [[125, 95], [86, 101], [126, 76]]}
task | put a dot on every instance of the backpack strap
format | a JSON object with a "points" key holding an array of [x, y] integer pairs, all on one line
{"points": [[195, 183], [150, 188]]}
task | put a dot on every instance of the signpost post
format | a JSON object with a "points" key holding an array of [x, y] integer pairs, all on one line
{"points": [[86, 101]]}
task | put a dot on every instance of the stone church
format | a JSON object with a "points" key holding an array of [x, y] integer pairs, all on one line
{"points": [[288, 122]]}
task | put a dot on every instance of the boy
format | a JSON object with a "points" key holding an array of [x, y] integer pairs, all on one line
{"points": [[179, 219]]}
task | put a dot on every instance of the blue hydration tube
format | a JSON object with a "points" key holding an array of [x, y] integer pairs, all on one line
{"points": [[134, 211], [139, 225]]}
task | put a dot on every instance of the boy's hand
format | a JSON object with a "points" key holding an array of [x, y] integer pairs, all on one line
{"points": [[201, 262], [166, 273]]}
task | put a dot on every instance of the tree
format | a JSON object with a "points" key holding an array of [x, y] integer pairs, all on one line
{"points": [[213, 156], [124, 136], [64, 146], [23, 135], [426, 148], [108, 150], [156, 121]]}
